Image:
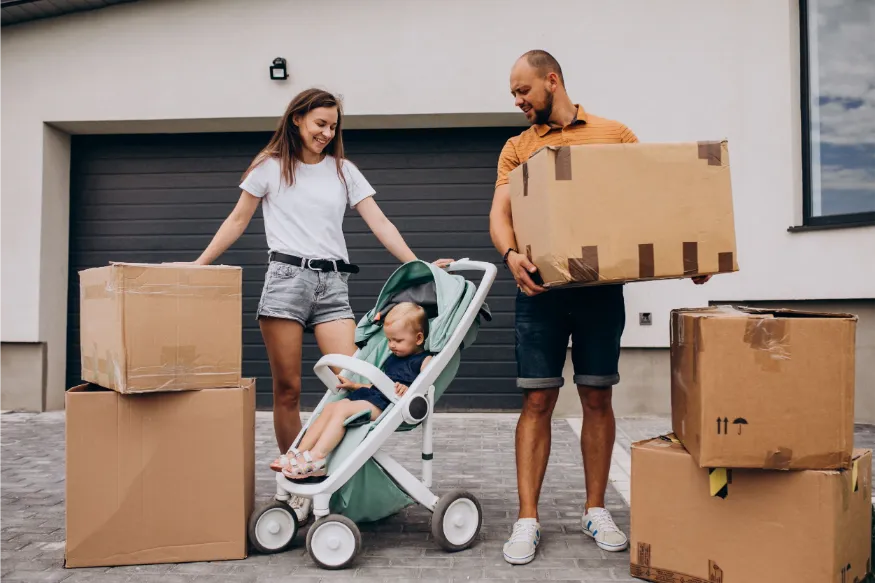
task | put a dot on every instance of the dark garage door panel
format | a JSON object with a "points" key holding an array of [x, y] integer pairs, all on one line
{"points": [[161, 198]]}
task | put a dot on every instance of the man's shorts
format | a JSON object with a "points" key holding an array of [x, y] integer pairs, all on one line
{"points": [[593, 317]]}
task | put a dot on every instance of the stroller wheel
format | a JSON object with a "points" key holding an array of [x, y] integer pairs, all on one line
{"points": [[456, 520], [334, 541], [273, 527]]}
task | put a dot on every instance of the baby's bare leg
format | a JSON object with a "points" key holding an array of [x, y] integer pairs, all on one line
{"points": [[315, 430], [334, 429]]}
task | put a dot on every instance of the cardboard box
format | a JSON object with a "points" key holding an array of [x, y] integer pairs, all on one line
{"points": [[610, 213], [161, 327], [763, 526], [159, 478], [763, 389]]}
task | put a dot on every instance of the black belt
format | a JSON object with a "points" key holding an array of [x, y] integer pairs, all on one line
{"points": [[315, 264]]}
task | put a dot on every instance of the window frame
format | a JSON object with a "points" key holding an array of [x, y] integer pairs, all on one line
{"points": [[809, 220]]}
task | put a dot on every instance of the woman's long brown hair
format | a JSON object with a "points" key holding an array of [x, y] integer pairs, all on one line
{"points": [[286, 144]]}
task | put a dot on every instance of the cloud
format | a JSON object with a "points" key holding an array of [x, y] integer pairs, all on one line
{"points": [[843, 99], [844, 66]]}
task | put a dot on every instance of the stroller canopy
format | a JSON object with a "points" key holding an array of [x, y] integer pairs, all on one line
{"points": [[444, 296]]}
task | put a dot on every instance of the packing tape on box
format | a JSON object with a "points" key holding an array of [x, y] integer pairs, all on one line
{"points": [[779, 459], [563, 163], [641, 568], [855, 475], [725, 262], [712, 152], [691, 257], [525, 179], [646, 266], [769, 337], [586, 267], [719, 480]]}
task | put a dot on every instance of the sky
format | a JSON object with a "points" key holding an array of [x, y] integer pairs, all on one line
{"points": [[843, 63]]}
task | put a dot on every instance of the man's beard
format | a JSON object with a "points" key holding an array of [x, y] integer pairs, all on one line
{"points": [[542, 116]]}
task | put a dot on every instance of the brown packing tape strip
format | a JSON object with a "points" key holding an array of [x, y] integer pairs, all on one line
{"points": [[691, 258], [563, 163], [779, 459], [712, 152], [586, 268], [525, 179], [725, 262], [643, 570], [646, 266]]}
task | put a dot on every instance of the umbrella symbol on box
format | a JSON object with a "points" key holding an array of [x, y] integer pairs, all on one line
{"points": [[740, 421]]}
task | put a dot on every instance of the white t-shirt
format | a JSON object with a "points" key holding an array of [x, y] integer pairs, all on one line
{"points": [[306, 219]]}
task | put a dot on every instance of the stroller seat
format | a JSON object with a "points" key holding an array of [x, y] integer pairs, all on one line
{"points": [[363, 483]]}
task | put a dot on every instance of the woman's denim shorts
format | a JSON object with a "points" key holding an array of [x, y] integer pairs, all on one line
{"points": [[306, 296]]}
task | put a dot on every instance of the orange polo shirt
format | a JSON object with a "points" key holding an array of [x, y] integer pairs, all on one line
{"points": [[586, 129]]}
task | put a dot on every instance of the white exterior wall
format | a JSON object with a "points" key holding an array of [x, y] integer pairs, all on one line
{"points": [[682, 70]]}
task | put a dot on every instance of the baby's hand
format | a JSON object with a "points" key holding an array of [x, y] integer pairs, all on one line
{"points": [[400, 389], [347, 384]]}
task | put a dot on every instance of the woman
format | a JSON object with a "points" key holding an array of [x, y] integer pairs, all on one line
{"points": [[305, 185]]}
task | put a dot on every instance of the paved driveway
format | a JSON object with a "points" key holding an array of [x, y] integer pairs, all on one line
{"points": [[471, 452]]}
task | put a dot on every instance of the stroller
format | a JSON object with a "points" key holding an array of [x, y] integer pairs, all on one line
{"points": [[363, 483]]}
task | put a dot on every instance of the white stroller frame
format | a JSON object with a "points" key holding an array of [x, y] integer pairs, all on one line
{"points": [[333, 541]]}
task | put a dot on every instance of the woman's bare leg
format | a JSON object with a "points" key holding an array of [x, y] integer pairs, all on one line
{"points": [[283, 340]]}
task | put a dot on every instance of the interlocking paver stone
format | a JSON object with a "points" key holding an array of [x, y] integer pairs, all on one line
{"points": [[471, 452]]}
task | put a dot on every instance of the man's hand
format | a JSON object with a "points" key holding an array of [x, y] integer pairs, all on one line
{"points": [[400, 389], [700, 279], [521, 268]]}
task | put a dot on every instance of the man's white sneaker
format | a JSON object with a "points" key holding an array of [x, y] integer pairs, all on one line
{"points": [[599, 524], [302, 507], [523, 542]]}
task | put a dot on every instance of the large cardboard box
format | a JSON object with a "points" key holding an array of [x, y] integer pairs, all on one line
{"points": [[159, 478], [763, 389], [161, 327], [610, 213], [763, 526]]}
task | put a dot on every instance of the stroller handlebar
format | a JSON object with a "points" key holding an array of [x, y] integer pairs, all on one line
{"points": [[468, 265], [365, 369]]}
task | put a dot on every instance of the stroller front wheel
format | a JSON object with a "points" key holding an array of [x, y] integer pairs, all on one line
{"points": [[334, 541], [456, 520], [273, 527]]}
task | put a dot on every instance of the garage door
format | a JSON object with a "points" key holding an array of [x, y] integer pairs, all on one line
{"points": [[162, 197]]}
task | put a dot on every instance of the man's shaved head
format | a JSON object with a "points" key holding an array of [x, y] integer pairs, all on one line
{"points": [[544, 63], [534, 79]]}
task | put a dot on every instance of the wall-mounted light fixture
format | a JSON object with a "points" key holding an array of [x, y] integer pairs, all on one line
{"points": [[278, 69]]}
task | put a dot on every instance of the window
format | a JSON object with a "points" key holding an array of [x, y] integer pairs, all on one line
{"points": [[838, 111]]}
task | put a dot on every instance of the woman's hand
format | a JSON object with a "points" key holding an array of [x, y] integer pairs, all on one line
{"points": [[442, 263]]}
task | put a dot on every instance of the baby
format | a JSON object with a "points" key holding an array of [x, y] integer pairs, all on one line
{"points": [[405, 327]]}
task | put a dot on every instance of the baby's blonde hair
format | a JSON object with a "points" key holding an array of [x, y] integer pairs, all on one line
{"points": [[411, 314]]}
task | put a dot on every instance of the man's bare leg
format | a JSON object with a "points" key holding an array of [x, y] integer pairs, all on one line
{"points": [[533, 436], [597, 445], [596, 441]]}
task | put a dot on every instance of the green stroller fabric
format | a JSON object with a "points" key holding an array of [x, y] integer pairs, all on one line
{"points": [[371, 494]]}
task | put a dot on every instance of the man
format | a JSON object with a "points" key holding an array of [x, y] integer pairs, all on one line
{"points": [[594, 318]]}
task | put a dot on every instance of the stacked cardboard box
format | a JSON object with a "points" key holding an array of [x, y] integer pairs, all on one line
{"points": [[759, 480], [160, 442], [625, 212]]}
